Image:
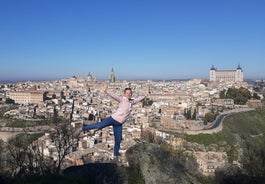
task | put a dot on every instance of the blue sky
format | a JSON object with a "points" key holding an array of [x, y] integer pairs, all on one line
{"points": [[140, 39]]}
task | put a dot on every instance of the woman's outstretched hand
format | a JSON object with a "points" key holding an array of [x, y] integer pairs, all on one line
{"points": [[146, 93]]}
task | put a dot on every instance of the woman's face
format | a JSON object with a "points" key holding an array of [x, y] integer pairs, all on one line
{"points": [[128, 94]]}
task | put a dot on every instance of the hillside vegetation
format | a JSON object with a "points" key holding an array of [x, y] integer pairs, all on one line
{"points": [[245, 124], [243, 137]]}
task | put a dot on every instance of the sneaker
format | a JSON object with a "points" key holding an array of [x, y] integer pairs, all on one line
{"points": [[117, 160]]}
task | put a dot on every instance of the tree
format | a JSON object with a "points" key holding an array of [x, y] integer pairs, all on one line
{"points": [[240, 96], [25, 156], [17, 149], [253, 159], [187, 113], [55, 118], [10, 101], [1, 154], [255, 96], [27, 153], [20, 157], [147, 102], [209, 117], [194, 115], [222, 94], [65, 140]]}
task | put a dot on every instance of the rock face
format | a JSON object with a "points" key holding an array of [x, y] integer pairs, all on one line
{"points": [[157, 166], [153, 166]]}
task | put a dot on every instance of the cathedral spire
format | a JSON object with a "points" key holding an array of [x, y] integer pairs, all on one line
{"points": [[112, 76]]}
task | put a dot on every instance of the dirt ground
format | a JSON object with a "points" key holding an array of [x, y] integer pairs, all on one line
{"points": [[6, 135]]}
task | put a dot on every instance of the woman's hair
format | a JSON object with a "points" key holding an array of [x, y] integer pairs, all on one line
{"points": [[126, 89]]}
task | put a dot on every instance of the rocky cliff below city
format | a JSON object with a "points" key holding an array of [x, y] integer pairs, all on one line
{"points": [[148, 163], [157, 166]]}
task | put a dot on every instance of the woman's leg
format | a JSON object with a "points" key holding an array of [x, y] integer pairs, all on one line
{"points": [[105, 122], [117, 129]]}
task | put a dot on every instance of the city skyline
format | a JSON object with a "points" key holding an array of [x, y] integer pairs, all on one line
{"points": [[53, 39]]}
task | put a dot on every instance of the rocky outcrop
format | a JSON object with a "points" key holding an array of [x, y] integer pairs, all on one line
{"points": [[157, 166], [147, 161]]}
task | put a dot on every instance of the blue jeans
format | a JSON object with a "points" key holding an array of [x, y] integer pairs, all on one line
{"points": [[117, 129]]}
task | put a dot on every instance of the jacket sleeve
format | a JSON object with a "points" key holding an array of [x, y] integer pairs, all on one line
{"points": [[138, 99], [114, 96]]}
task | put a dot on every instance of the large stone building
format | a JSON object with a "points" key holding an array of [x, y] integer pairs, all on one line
{"points": [[26, 97], [226, 75]]}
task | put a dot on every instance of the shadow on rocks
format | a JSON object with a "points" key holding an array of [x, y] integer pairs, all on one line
{"points": [[98, 173]]}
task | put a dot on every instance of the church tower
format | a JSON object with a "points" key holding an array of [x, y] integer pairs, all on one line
{"points": [[239, 74], [112, 76], [213, 73]]}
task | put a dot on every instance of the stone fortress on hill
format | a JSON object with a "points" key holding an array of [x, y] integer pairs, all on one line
{"points": [[227, 75]]}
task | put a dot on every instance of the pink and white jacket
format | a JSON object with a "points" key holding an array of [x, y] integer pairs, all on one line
{"points": [[125, 106]]}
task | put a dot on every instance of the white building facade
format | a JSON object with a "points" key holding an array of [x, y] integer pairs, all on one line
{"points": [[226, 75]]}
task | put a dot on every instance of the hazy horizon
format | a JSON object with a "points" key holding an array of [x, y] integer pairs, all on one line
{"points": [[139, 79]]}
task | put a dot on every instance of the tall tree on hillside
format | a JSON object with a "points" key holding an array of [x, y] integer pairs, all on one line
{"points": [[20, 157], [253, 159], [65, 140], [187, 113], [194, 114]]}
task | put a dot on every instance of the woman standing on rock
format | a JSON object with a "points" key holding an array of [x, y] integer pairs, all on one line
{"points": [[117, 119]]}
